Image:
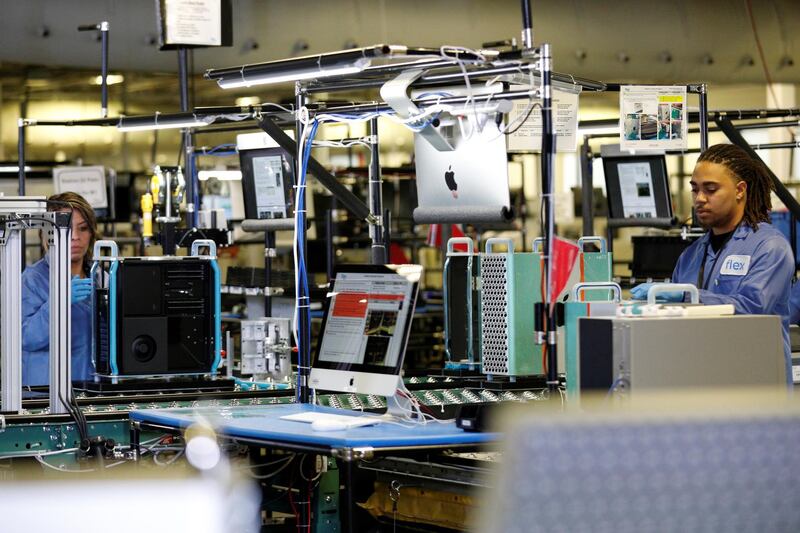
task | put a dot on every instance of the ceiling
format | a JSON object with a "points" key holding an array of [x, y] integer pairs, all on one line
{"points": [[645, 41]]}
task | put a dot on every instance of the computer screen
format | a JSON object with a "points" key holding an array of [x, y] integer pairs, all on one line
{"points": [[638, 187], [267, 178], [365, 328]]}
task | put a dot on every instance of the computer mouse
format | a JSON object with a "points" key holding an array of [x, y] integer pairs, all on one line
{"points": [[328, 425]]}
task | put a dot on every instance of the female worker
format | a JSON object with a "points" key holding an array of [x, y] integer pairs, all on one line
{"points": [[36, 300], [742, 260]]}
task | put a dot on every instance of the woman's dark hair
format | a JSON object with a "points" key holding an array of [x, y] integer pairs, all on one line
{"points": [[752, 172], [76, 202]]}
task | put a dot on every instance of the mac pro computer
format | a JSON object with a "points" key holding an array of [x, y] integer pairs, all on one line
{"points": [[365, 329]]}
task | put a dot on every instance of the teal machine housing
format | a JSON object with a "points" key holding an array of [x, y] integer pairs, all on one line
{"points": [[508, 289], [489, 301], [579, 307], [155, 315]]}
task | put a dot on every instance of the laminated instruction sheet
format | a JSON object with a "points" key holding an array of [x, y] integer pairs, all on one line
{"points": [[653, 117], [527, 137]]}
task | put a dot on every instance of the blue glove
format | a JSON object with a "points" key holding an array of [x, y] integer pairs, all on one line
{"points": [[81, 289], [640, 291]]}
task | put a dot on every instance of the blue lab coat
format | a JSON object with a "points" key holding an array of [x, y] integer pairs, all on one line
{"points": [[753, 272], [36, 329]]}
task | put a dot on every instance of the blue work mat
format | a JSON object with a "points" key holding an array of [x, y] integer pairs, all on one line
{"points": [[263, 422]]}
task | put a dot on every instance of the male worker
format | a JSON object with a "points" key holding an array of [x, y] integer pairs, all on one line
{"points": [[742, 260]]}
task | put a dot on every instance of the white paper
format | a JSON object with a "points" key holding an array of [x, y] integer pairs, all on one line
{"points": [[528, 138], [193, 22], [636, 188], [653, 117], [89, 182]]}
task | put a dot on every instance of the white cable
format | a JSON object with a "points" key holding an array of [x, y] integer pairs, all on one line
{"points": [[281, 460], [277, 106], [273, 473], [169, 461], [37, 454], [58, 469]]}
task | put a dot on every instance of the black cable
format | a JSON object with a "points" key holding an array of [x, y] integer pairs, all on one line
{"points": [[527, 116], [198, 230]]}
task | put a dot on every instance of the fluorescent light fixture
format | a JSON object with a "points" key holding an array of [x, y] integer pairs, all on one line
{"points": [[14, 168], [221, 175], [163, 122], [294, 75], [311, 67], [111, 79]]}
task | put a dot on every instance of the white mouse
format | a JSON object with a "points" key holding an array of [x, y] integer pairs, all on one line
{"points": [[328, 425]]}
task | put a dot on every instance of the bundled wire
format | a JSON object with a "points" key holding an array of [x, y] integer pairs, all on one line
{"points": [[302, 314]]}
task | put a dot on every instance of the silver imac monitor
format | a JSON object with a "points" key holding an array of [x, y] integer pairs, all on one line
{"points": [[365, 329]]}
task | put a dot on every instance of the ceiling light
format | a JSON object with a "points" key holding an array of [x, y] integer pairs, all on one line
{"points": [[111, 79], [221, 175], [245, 101]]}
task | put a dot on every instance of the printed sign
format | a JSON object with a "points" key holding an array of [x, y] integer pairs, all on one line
{"points": [[528, 138], [89, 182], [653, 117], [193, 22]]}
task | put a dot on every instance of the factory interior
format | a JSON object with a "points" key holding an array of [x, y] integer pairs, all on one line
{"points": [[369, 266]]}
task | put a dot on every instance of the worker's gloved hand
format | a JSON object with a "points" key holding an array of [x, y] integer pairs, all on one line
{"points": [[81, 289], [639, 292]]}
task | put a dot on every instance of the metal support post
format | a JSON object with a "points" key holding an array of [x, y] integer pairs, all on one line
{"points": [[188, 141], [304, 316], [21, 175], [21, 156], [376, 197], [587, 188], [548, 154], [58, 256], [104, 68], [527, 26], [269, 253], [330, 249], [703, 117], [10, 323]]}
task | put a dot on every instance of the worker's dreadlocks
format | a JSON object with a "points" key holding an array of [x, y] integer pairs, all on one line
{"points": [[743, 167]]}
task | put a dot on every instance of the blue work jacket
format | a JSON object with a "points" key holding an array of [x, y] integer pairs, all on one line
{"points": [[753, 273], [36, 329]]}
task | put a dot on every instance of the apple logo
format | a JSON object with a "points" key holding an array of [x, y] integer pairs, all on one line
{"points": [[450, 180]]}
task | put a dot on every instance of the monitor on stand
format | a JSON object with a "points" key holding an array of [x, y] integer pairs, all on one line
{"points": [[365, 331]]}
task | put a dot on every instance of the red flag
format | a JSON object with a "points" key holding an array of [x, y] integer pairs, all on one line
{"points": [[435, 236], [564, 256]]}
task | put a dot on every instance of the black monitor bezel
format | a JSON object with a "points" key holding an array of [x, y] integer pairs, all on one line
{"points": [[658, 171], [246, 158], [364, 368]]}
